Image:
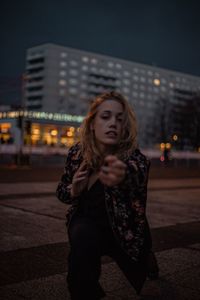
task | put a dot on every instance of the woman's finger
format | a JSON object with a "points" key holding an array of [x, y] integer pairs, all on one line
{"points": [[82, 167], [109, 179], [78, 179], [81, 173], [110, 159]]}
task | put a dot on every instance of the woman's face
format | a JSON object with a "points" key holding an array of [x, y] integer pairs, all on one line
{"points": [[107, 124]]}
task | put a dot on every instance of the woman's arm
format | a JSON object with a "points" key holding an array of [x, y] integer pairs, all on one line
{"points": [[133, 190], [63, 191]]}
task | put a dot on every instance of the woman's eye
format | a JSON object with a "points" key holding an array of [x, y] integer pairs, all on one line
{"points": [[120, 120], [104, 117]]}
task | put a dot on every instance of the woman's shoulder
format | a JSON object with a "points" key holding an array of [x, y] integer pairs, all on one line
{"points": [[139, 156], [74, 151]]}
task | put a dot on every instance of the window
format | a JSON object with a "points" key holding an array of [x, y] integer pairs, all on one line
{"points": [[62, 82], [126, 73], [94, 69], [142, 79], [118, 66], [141, 95], [110, 64], [73, 63], [126, 81], [62, 92], [85, 59], [150, 73], [63, 73], [73, 81], [126, 90], [135, 78], [73, 72], [84, 68], [73, 91], [83, 85], [94, 61], [63, 54], [142, 87], [63, 64]]}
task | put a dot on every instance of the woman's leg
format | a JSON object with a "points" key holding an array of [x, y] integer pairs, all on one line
{"points": [[136, 273], [84, 260]]}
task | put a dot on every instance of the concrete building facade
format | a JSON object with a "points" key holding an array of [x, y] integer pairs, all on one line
{"points": [[64, 80]]}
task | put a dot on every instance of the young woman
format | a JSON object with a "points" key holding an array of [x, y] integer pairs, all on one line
{"points": [[105, 181]]}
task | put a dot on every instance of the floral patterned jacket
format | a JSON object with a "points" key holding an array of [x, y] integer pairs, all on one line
{"points": [[125, 202]]}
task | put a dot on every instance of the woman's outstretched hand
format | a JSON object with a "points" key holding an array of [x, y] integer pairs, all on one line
{"points": [[113, 171], [80, 180]]}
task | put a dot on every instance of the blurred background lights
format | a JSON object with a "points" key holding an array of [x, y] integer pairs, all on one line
{"points": [[156, 81]]}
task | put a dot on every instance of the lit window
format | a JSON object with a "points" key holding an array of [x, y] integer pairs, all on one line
{"points": [[110, 64], [63, 54], [126, 73], [126, 81], [94, 61], [171, 84], [73, 63], [156, 81], [73, 72], [63, 64], [84, 68], [63, 73], [118, 66], [85, 59], [73, 81], [150, 73], [73, 91], [62, 82], [135, 70], [135, 77]]}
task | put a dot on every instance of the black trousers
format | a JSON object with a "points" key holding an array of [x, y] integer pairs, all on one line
{"points": [[89, 243]]}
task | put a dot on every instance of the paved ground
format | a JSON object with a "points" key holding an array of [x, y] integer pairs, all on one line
{"points": [[34, 243]]}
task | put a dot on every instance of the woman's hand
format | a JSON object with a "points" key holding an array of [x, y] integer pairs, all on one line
{"points": [[113, 171], [80, 180]]}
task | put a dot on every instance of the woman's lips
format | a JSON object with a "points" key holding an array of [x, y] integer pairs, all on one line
{"points": [[111, 134]]}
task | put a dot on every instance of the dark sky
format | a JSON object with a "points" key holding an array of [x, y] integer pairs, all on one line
{"points": [[163, 33]]}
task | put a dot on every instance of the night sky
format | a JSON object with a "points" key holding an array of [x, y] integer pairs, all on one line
{"points": [[160, 33]]}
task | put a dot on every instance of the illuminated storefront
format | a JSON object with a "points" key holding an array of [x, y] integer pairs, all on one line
{"points": [[39, 128]]}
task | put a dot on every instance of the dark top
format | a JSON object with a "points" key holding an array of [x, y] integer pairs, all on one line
{"points": [[92, 204]]}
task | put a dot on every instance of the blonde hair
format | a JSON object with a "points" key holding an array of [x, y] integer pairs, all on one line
{"points": [[128, 142]]}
